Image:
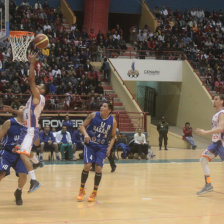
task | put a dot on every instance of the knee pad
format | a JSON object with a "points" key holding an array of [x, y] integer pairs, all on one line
{"points": [[205, 167]]}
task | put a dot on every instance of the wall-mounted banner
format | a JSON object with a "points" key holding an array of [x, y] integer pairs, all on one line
{"points": [[148, 70]]}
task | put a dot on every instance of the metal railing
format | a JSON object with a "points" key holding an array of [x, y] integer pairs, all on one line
{"points": [[68, 102], [145, 54]]}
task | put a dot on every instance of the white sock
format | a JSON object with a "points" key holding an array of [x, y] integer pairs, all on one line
{"points": [[34, 159], [74, 155], [32, 175], [41, 154], [57, 153]]}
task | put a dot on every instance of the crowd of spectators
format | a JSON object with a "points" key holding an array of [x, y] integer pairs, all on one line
{"points": [[64, 65], [198, 33]]}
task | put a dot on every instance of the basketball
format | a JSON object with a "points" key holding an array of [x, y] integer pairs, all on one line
{"points": [[41, 41]]}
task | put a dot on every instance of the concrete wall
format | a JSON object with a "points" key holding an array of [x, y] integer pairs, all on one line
{"points": [[123, 93], [132, 86], [174, 140], [147, 17], [195, 104], [167, 101]]}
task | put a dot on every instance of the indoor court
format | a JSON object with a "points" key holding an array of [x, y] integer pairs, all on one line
{"points": [[156, 191]]}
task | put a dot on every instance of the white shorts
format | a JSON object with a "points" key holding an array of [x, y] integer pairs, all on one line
{"points": [[26, 140]]}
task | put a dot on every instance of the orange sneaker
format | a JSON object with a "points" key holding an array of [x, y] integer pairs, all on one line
{"points": [[16, 149], [92, 196], [81, 195]]}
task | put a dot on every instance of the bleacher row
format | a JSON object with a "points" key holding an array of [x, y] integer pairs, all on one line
{"points": [[65, 64]]}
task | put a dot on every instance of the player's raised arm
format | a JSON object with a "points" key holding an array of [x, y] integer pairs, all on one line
{"points": [[113, 137], [9, 109], [35, 91], [4, 129], [86, 122]]}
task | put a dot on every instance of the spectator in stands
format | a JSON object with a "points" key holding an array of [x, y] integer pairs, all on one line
{"points": [[140, 143], [69, 124], [64, 141], [99, 89], [187, 135], [88, 67], [78, 142], [162, 128], [106, 70], [48, 142], [38, 5]]}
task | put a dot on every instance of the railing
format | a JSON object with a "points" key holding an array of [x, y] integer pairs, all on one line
{"points": [[68, 102], [130, 121], [145, 54]]}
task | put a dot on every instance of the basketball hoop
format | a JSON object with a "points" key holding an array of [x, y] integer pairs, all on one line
{"points": [[20, 41]]}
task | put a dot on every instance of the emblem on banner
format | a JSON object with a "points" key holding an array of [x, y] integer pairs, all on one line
{"points": [[133, 73]]}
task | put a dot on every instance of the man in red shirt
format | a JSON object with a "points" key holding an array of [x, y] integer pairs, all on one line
{"points": [[187, 135]]}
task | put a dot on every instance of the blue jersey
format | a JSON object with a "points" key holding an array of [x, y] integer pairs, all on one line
{"points": [[99, 130], [77, 137], [69, 125], [10, 140]]}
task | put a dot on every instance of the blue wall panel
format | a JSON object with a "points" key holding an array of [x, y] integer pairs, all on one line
{"points": [[125, 6], [183, 4], [77, 5], [134, 6], [52, 3]]}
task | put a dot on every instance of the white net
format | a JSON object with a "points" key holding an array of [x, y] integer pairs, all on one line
{"points": [[20, 42]]}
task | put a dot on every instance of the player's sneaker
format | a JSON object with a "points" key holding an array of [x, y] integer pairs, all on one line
{"points": [[18, 197], [36, 165], [16, 149], [58, 158], [34, 185], [81, 195], [205, 189], [113, 168], [41, 158], [92, 196]]}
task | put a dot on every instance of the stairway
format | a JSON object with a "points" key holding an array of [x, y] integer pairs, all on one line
{"points": [[124, 122]]}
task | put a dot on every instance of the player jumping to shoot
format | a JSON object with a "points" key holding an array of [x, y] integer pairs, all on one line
{"points": [[32, 111]]}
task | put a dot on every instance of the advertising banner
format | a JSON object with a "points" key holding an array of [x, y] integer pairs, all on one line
{"points": [[148, 70]]}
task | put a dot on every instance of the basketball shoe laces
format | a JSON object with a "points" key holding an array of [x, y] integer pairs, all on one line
{"points": [[92, 196], [81, 195]]}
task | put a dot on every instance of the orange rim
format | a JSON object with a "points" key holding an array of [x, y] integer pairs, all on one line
{"points": [[20, 33]]}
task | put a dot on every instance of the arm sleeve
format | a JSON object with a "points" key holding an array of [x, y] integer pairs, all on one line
{"points": [[58, 137], [69, 137], [135, 139], [41, 137], [144, 140]]}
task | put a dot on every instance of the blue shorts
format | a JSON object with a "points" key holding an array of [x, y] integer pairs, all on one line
{"points": [[79, 146], [217, 148], [95, 153], [9, 159]]}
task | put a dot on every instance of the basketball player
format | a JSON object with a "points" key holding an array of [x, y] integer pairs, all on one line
{"points": [[217, 145], [30, 132], [98, 129], [9, 135]]}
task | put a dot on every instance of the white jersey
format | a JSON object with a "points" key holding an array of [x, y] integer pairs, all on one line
{"points": [[32, 112], [215, 122]]}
